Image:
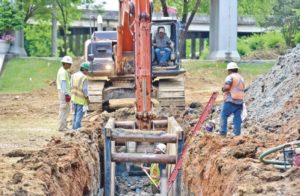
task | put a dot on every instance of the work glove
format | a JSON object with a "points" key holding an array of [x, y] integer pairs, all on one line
{"points": [[88, 100], [67, 98]]}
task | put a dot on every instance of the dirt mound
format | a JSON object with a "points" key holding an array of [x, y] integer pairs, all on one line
{"points": [[66, 166], [270, 93], [227, 166]]}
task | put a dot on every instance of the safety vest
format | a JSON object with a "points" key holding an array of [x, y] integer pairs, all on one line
{"points": [[237, 87], [155, 173], [77, 94]]}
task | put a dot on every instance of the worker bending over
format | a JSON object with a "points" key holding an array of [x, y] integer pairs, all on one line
{"points": [[63, 87], [156, 169], [79, 90], [233, 90], [162, 45]]}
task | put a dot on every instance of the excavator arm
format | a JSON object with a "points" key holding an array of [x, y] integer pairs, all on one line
{"points": [[134, 34]]}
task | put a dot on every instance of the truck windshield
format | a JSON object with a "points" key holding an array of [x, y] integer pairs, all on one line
{"points": [[102, 35], [100, 50]]}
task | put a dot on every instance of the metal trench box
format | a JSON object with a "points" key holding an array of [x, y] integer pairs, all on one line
{"points": [[139, 146]]}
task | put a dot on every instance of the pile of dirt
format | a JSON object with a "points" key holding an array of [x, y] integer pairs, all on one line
{"points": [[274, 99], [227, 166], [270, 93], [66, 166]]}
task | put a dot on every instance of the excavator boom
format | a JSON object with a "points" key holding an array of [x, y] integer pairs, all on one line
{"points": [[134, 33]]}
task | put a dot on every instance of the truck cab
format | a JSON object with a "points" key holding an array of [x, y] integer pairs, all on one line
{"points": [[99, 51]]}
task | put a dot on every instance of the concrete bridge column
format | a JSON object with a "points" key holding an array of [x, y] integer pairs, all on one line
{"points": [[223, 29], [17, 47]]}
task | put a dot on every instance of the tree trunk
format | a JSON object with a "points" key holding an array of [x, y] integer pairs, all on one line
{"points": [[164, 7], [187, 24], [182, 47], [65, 42], [54, 35]]}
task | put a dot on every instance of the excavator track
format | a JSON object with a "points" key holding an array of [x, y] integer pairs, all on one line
{"points": [[171, 93], [95, 89]]}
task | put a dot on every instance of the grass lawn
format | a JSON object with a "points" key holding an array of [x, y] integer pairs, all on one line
{"points": [[216, 72], [25, 75]]}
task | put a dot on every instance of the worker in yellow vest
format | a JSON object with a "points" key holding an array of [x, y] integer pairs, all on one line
{"points": [[233, 91], [157, 168], [79, 93], [64, 92]]}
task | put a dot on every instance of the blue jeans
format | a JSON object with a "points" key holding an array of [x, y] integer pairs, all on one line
{"points": [[78, 114], [228, 109], [162, 54]]}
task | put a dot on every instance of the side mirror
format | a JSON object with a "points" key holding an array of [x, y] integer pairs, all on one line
{"points": [[91, 57]]}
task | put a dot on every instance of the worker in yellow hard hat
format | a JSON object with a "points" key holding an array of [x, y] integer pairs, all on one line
{"points": [[79, 93], [64, 92]]}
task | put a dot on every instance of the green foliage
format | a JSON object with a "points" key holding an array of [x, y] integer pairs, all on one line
{"points": [[260, 9], [265, 41], [243, 47], [296, 38], [285, 16], [274, 40], [24, 75], [38, 39], [11, 18], [256, 42]]}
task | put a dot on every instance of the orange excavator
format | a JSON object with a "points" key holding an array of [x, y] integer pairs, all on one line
{"points": [[124, 64]]}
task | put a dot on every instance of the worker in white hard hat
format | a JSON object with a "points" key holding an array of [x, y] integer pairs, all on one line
{"points": [[233, 91], [156, 169], [163, 46], [64, 92]]}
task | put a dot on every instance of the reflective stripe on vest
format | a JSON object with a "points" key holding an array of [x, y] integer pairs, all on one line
{"points": [[155, 173], [237, 87], [77, 93]]}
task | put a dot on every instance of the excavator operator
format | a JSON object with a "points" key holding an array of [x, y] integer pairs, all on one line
{"points": [[163, 46]]}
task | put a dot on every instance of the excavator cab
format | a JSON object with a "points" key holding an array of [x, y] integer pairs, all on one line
{"points": [[172, 31]]}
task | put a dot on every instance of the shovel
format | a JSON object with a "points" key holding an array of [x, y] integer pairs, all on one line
{"points": [[152, 180]]}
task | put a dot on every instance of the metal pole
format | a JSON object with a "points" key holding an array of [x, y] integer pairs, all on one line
{"points": [[107, 163], [163, 184]]}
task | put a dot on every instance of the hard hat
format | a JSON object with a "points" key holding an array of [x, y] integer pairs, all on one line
{"points": [[67, 59], [161, 147], [232, 65], [85, 65], [161, 30]]}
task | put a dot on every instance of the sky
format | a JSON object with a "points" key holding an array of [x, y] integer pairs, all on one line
{"points": [[110, 4]]}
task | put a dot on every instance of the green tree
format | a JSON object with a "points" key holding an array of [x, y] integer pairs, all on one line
{"points": [[33, 8], [38, 39], [259, 9], [184, 7], [284, 16], [10, 17]]}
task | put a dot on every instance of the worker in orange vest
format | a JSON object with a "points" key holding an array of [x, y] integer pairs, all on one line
{"points": [[233, 91]]}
